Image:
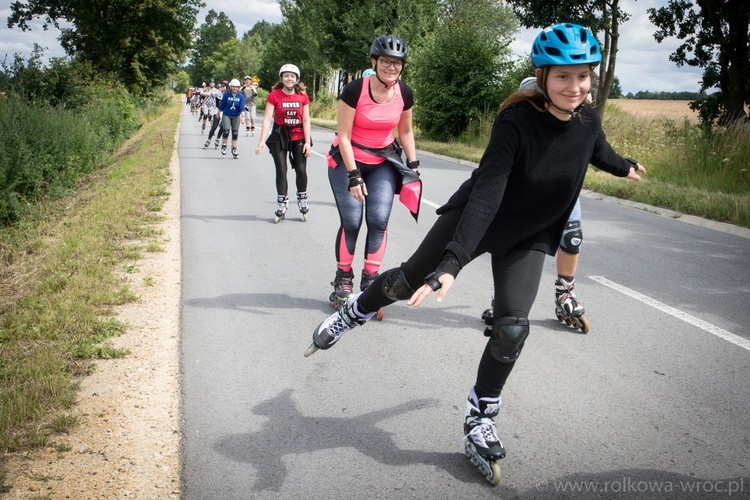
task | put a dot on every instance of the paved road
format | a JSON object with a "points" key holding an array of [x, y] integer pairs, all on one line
{"points": [[655, 398]]}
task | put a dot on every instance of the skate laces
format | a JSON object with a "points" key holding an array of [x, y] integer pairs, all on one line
{"points": [[484, 429]]}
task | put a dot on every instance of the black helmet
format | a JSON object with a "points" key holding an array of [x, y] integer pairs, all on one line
{"points": [[389, 45]]}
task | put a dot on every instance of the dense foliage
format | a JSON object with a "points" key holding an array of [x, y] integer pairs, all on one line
{"points": [[140, 42], [715, 35], [57, 124]]}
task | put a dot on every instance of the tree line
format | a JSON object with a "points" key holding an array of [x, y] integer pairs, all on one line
{"points": [[460, 64]]}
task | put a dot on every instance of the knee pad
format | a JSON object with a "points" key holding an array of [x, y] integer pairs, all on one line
{"points": [[508, 335], [235, 134], [572, 237], [396, 286], [225, 132]]}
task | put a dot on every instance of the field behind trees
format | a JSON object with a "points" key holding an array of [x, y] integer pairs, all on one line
{"points": [[674, 110]]}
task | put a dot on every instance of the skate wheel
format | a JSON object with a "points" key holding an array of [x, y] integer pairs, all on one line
{"points": [[559, 315], [311, 350], [379, 315], [277, 219], [583, 324], [304, 217], [494, 474]]}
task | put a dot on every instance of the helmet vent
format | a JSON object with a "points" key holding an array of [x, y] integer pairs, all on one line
{"points": [[562, 37]]}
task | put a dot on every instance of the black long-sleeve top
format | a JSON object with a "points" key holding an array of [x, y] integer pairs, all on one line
{"points": [[527, 182]]}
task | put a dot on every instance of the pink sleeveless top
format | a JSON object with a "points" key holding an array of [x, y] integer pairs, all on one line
{"points": [[374, 123]]}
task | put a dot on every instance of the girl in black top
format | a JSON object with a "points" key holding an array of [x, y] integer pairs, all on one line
{"points": [[514, 206]]}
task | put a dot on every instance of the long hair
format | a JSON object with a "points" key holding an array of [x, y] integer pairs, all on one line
{"points": [[299, 87]]}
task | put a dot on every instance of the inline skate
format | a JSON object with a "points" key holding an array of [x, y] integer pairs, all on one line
{"points": [[336, 325], [365, 282], [223, 150], [281, 205], [234, 152], [482, 445], [302, 205], [216, 144], [567, 308], [207, 144], [343, 286]]}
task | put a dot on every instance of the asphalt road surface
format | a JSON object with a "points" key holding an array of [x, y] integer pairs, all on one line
{"points": [[652, 403]]}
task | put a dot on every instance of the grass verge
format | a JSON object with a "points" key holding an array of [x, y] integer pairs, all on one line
{"points": [[60, 268], [689, 171]]}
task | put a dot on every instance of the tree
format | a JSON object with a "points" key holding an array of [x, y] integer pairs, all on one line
{"points": [[715, 36], [141, 42], [600, 16], [457, 72], [615, 92], [216, 30]]}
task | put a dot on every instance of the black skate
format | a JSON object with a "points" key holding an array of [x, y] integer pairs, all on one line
{"points": [[223, 150], [302, 205], [207, 144], [234, 152], [343, 286], [203, 128], [335, 326], [365, 283], [281, 206], [247, 131], [567, 308], [216, 144], [482, 445]]}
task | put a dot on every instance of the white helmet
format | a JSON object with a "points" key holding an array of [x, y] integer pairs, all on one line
{"points": [[234, 83], [528, 83], [289, 68]]}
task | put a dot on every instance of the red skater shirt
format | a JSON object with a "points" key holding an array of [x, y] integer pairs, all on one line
{"points": [[288, 111]]}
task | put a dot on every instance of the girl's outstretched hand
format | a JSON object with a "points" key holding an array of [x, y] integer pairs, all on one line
{"points": [[446, 282]]}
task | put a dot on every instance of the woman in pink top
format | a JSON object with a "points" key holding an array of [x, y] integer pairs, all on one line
{"points": [[366, 165]]}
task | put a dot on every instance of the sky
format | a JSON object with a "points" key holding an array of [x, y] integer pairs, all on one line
{"points": [[642, 63]]}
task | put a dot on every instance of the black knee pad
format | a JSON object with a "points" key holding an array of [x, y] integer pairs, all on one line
{"points": [[235, 134], [508, 336], [572, 237], [225, 132], [396, 286]]}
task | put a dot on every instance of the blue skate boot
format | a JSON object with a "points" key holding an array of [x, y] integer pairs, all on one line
{"points": [[482, 445]]}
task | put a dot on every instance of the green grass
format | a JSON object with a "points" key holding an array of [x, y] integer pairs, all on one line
{"points": [[59, 268], [688, 170]]}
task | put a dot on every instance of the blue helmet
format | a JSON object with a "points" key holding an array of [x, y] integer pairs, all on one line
{"points": [[368, 72], [564, 44]]}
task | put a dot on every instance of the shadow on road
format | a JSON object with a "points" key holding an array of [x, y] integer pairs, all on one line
{"points": [[265, 450]]}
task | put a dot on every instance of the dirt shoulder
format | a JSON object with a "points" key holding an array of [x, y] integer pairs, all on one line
{"points": [[129, 441]]}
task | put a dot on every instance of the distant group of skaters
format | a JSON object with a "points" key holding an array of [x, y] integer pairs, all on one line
{"points": [[520, 204], [223, 107]]}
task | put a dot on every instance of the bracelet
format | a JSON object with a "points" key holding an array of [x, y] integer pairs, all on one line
{"points": [[412, 164]]}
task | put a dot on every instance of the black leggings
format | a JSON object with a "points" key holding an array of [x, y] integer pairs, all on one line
{"points": [[516, 276], [299, 164]]}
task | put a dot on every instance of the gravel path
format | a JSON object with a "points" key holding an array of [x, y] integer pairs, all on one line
{"points": [[129, 440]]}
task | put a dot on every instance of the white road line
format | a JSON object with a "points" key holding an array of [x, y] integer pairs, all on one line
{"points": [[712, 329]]}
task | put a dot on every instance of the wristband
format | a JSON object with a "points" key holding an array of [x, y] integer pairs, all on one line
{"points": [[412, 164], [354, 173]]}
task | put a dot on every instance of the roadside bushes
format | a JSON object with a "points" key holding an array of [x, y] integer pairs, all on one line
{"points": [[61, 131]]}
